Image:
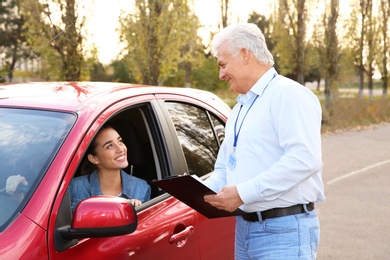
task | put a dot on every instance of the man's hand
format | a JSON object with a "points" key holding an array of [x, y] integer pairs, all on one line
{"points": [[13, 182], [227, 199]]}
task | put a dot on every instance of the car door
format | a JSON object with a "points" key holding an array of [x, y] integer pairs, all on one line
{"points": [[200, 131], [166, 227]]}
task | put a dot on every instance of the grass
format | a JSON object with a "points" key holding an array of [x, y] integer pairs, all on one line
{"points": [[352, 113]]}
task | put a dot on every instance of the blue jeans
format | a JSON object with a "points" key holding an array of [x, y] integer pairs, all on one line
{"points": [[289, 237]]}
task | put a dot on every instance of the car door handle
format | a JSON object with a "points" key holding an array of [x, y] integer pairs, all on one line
{"points": [[180, 239]]}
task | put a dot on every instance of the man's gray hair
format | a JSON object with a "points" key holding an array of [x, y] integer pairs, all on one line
{"points": [[243, 35]]}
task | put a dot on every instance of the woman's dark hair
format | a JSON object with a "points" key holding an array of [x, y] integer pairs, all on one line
{"points": [[86, 166]]}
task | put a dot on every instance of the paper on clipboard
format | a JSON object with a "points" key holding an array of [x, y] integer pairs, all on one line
{"points": [[190, 191]]}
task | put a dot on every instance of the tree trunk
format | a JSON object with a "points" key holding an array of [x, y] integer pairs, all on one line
{"points": [[224, 4], [370, 88], [301, 42], [363, 32], [332, 56], [385, 8], [327, 94], [361, 82]]}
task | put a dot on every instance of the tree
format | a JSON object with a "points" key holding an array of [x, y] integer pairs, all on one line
{"points": [[372, 32], [225, 14], [313, 64], [47, 21], [121, 73], [290, 37], [192, 51], [359, 26], [318, 49], [184, 76], [98, 72], [332, 56], [12, 38], [157, 35], [206, 76], [383, 54]]}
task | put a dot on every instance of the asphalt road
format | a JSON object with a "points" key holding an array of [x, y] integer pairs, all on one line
{"points": [[355, 218]]}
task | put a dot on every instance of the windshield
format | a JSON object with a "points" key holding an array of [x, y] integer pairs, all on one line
{"points": [[29, 140]]}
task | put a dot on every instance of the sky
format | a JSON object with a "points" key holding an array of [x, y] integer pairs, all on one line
{"points": [[103, 20]]}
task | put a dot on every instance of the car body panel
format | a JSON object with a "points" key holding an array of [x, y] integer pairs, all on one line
{"points": [[155, 226], [23, 239], [160, 220]]}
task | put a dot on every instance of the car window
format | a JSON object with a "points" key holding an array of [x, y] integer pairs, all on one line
{"points": [[133, 127], [29, 139], [200, 135]]}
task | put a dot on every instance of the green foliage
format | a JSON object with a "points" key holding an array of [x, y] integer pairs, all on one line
{"points": [[284, 51], [347, 68], [207, 76], [312, 64], [121, 72], [3, 72], [56, 24], [290, 37], [159, 35], [178, 79], [330, 52], [12, 39], [98, 72]]}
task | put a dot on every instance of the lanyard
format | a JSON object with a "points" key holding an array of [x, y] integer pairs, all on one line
{"points": [[235, 124]]}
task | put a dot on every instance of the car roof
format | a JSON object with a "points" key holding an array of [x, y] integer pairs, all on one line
{"points": [[69, 96]]}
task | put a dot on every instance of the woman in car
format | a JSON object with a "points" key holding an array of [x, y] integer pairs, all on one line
{"points": [[107, 155]]}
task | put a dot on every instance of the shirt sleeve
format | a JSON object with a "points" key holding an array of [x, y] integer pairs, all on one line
{"points": [[137, 188], [78, 191], [218, 178]]}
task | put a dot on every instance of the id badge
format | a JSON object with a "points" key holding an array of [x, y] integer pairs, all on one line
{"points": [[232, 161]]}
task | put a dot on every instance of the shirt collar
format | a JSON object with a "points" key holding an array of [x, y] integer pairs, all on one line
{"points": [[259, 87], [126, 184]]}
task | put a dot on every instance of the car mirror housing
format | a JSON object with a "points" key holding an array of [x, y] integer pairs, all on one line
{"points": [[101, 216]]}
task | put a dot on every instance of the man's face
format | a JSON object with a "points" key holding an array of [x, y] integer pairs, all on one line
{"points": [[231, 69]]}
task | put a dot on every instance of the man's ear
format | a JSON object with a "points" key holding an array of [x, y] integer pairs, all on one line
{"points": [[92, 159], [245, 54]]}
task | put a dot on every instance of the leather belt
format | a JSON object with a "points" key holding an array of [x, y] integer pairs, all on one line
{"points": [[278, 212]]}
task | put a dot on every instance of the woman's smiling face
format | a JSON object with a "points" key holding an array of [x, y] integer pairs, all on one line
{"points": [[110, 151]]}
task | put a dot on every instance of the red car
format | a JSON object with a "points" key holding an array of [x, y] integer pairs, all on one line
{"points": [[45, 129]]}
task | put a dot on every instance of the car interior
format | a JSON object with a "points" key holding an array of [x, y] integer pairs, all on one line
{"points": [[132, 127]]}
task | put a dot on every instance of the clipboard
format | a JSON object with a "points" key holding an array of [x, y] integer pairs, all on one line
{"points": [[191, 191]]}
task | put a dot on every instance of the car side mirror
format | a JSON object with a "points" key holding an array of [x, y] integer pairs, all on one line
{"points": [[101, 216]]}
